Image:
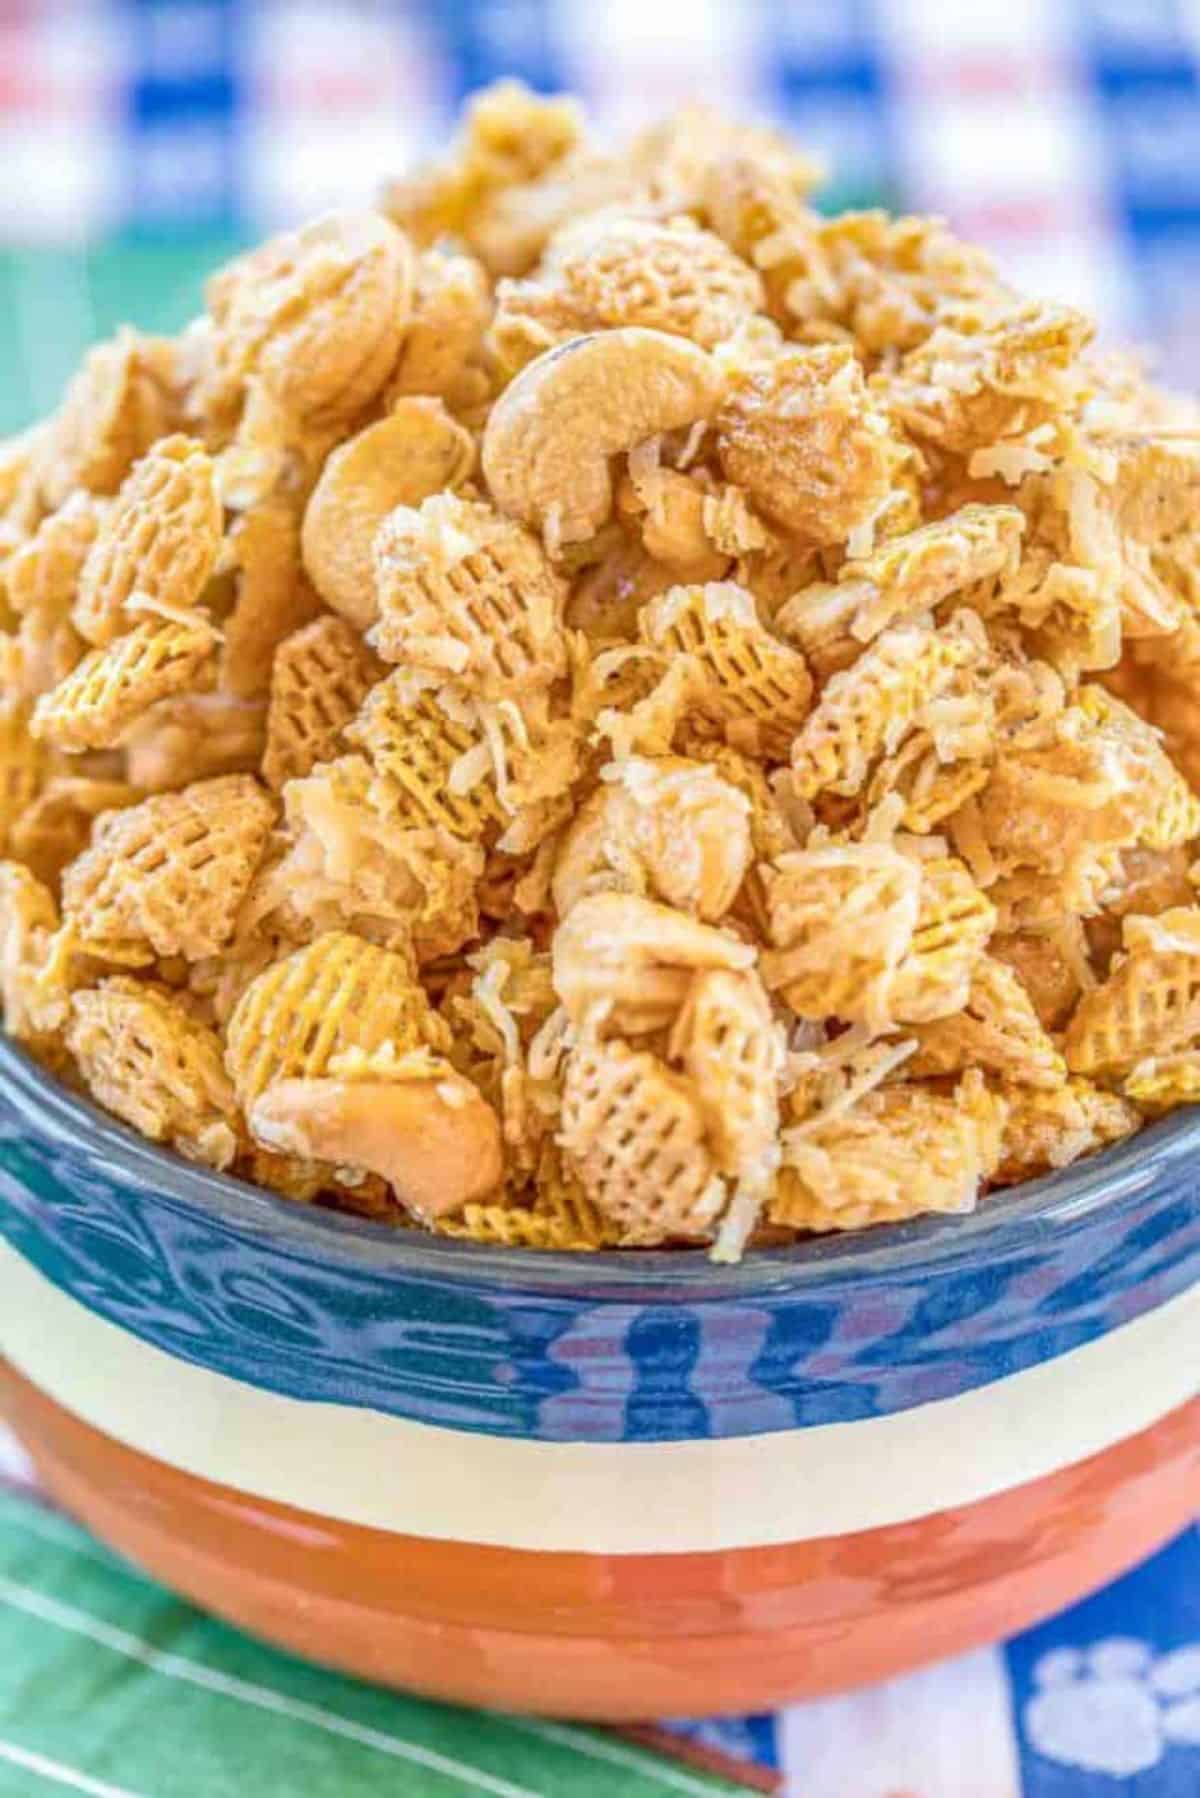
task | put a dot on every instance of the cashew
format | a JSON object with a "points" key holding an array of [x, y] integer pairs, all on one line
{"points": [[436, 1141], [418, 450], [551, 434], [635, 958]]}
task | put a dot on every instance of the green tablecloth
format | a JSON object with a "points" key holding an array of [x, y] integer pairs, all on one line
{"points": [[110, 1686]]}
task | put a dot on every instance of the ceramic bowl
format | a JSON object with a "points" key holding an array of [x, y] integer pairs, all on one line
{"points": [[614, 1485]]}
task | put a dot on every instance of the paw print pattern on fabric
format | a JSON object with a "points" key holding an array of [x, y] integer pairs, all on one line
{"points": [[1114, 1708]]}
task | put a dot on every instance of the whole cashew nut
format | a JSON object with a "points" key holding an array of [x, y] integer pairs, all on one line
{"points": [[551, 434], [436, 1141], [636, 958]]}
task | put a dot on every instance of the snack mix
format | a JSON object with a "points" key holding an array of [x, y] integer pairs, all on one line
{"points": [[598, 706]]}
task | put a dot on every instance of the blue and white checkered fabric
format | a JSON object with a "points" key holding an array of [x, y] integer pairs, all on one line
{"points": [[1065, 133]]}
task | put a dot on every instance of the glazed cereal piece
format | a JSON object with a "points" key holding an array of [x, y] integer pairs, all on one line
{"points": [[932, 789], [157, 546], [111, 688], [24, 766], [608, 271], [145, 1058], [901, 1151], [1051, 965], [841, 919], [669, 828], [997, 1030], [113, 410], [632, 960], [35, 959], [339, 993], [754, 685], [1050, 1128], [452, 308], [317, 315], [467, 594], [634, 1132], [321, 676], [41, 577], [867, 710], [1161, 1082], [1171, 813], [171, 873], [728, 1044], [953, 925], [983, 378], [194, 736], [419, 750], [921, 569], [55, 826], [802, 438], [401, 460], [1150, 1002], [271, 597]]}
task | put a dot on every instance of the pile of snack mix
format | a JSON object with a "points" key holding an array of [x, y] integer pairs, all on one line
{"points": [[598, 706]]}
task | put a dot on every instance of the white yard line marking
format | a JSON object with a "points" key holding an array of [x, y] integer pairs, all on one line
{"points": [[265, 1698], [58, 1775]]}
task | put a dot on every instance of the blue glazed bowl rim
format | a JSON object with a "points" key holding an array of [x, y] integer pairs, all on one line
{"points": [[1017, 1218]]}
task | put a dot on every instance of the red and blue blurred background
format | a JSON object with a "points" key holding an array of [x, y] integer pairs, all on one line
{"points": [[141, 139]]}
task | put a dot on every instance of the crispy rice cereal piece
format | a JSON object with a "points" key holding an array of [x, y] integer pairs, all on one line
{"points": [[900, 1152], [1150, 1002], [634, 1132], [318, 315], [171, 872], [997, 1030], [986, 377], [145, 1058], [750, 682], [867, 710], [728, 1044], [416, 451], [469, 595], [321, 676], [803, 439], [668, 828], [416, 745], [922, 568], [339, 993], [97, 702], [113, 410], [441, 352], [24, 766], [632, 960], [1051, 1128], [841, 919], [271, 598], [56, 825], [606, 272], [157, 545]]}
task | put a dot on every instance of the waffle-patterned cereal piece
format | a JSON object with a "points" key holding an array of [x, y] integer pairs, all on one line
{"points": [[754, 685], [34, 982], [608, 272], [997, 1030], [634, 1132], [868, 709], [113, 410], [318, 315], [468, 594], [337, 994], [901, 1151], [1150, 1003], [727, 1042], [1162, 1082], [415, 745], [41, 577], [321, 676], [55, 826], [111, 688], [559, 1216], [157, 545], [954, 923], [171, 872], [924, 567], [442, 347], [1050, 1128], [808, 447], [841, 920], [24, 764], [144, 1057], [272, 598]]}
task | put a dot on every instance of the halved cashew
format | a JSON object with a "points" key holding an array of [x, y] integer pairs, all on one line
{"points": [[635, 958], [435, 1141], [551, 434], [417, 450]]}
